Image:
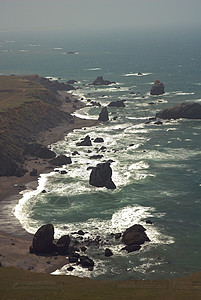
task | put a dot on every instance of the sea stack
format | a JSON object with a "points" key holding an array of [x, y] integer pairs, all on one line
{"points": [[157, 88], [101, 176], [103, 116]]}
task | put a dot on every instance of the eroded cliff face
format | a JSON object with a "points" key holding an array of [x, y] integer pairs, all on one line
{"points": [[21, 124]]}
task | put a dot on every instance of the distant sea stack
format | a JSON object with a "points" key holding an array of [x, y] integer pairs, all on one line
{"points": [[103, 116], [157, 88], [183, 110], [100, 81]]}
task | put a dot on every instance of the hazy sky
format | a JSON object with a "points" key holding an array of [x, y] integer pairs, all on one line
{"points": [[98, 14]]}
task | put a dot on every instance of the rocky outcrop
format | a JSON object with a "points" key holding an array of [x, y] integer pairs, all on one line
{"points": [[100, 81], [133, 237], [62, 245], [85, 142], [61, 160], [119, 103], [98, 140], [101, 176], [43, 240], [103, 116], [183, 110], [71, 81], [157, 88]]}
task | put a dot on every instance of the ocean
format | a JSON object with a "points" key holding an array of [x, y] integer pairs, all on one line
{"points": [[156, 168]]}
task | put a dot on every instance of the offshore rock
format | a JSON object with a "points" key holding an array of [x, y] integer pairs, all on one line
{"points": [[100, 81], [183, 110], [135, 235], [43, 239], [103, 116], [119, 103], [63, 245], [85, 142], [157, 88], [101, 176], [61, 160]]}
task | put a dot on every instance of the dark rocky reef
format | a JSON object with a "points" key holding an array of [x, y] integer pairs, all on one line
{"points": [[101, 176], [183, 110], [157, 88], [86, 142], [61, 160], [133, 237], [119, 103], [103, 116], [100, 81]]}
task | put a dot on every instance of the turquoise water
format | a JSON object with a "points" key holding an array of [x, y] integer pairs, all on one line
{"points": [[158, 178]]}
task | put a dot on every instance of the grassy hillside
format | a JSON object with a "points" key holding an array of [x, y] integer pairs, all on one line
{"points": [[19, 284], [26, 108]]}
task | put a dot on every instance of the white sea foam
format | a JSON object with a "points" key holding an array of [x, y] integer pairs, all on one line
{"points": [[136, 74], [57, 48], [93, 69], [23, 50]]}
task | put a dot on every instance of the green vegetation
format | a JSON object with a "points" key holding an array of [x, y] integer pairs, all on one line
{"points": [[17, 90], [19, 284]]}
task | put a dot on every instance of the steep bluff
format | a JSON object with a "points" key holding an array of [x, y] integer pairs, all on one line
{"points": [[21, 121]]}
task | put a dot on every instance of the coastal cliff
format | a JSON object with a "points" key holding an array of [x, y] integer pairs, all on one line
{"points": [[28, 105]]}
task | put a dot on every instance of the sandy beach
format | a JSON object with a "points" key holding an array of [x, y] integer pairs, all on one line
{"points": [[14, 240]]}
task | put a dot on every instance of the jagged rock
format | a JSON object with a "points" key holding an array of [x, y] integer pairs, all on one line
{"points": [[85, 142], [70, 269], [135, 235], [100, 81], [158, 122], [86, 262], [117, 236], [157, 88], [101, 176], [149, 222], [61, 160], [99, 140], [103, 116], [108, 252], [63, 245], [43, 240], [139, 74], [183, 110], [94, 103], [119, 103], [73, 259]]}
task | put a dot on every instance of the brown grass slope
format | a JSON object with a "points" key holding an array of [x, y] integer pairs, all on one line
{"points": [[19, 284]]}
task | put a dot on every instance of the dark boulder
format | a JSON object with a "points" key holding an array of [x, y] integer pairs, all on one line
{"points": [[71, 81], [99, 156], [60, 160], [183, 110], [99, 140], [135, 235], [85, 142], [43, 239], [44, 152], [100, 81], [108, 252], [103, 116], [34, 172], [86, 262], [131, 248], [63, 245], [101, 176], [157, 88], [119, 103]]}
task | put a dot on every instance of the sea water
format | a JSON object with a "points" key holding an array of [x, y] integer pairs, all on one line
{"points": [[156, 168]]}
